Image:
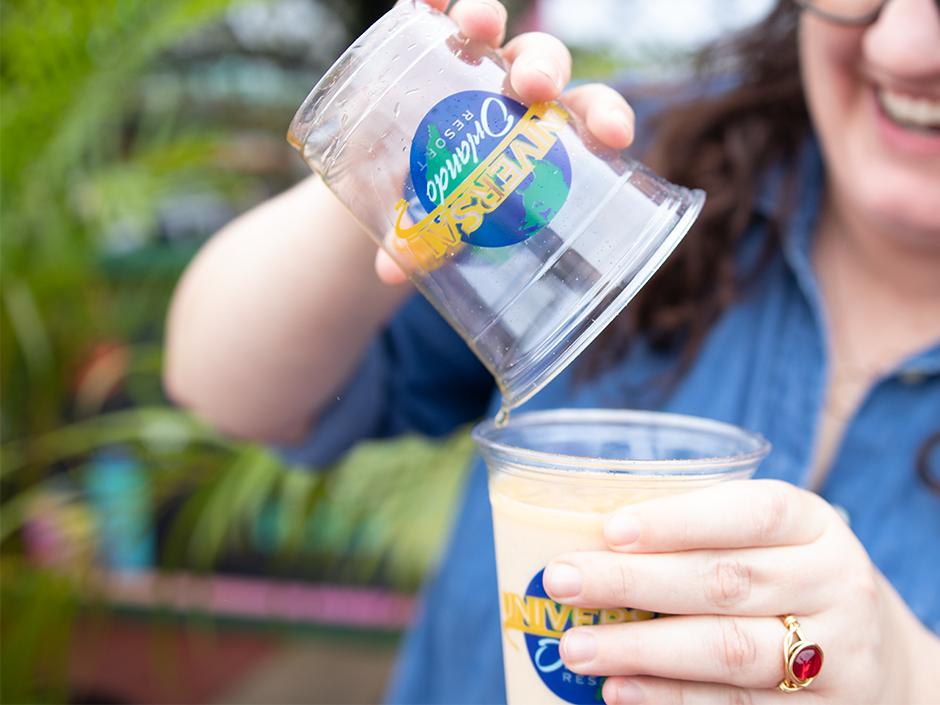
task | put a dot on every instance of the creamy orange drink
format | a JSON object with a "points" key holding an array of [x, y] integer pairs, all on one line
{"points": [[554, 478]]}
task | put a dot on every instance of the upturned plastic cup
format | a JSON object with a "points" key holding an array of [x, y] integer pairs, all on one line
{"points": [[553, 478], [525, 234]]}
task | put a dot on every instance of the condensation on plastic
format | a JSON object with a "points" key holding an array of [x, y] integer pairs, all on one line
{"points": [[527, 309]]}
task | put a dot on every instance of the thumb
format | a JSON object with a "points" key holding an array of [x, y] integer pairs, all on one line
{"points": [[388, 270]]}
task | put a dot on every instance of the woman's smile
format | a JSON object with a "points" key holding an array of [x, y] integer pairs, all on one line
{"points": [[907, 123], [920, 113]]}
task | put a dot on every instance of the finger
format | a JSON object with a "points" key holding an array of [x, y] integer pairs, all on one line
{"points": [[647, 691], [388, 270], [747, 582], [541, 66], [605, 112], [735, 514], [439, 5], [396, 260], [481, 20], [740, 651]]}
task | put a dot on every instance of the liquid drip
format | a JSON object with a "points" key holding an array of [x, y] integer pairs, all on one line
{"points": [[502, 417]]}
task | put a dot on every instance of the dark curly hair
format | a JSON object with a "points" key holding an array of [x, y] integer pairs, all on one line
{"points": [[735, 135]]}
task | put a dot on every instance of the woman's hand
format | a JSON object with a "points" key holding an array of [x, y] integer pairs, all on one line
{"points": [[540, 67], [728, 561]]}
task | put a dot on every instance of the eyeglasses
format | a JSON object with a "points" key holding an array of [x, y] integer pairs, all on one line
{"points": [[847, 12]]}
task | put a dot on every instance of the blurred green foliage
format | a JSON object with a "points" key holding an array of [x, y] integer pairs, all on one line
{"points": [[106, 119]]}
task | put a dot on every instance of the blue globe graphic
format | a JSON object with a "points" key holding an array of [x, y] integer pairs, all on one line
{"points": [[524, 212]]}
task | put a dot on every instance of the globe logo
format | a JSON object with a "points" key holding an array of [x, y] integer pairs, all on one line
{"points": [[543, 651], [543, 623], [498, 169]]}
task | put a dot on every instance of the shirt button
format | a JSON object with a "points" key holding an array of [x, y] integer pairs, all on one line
{"points": [[912, 378]]}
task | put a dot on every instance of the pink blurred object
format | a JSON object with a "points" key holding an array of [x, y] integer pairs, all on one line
{"points": [[260, 599], [59, 532]]}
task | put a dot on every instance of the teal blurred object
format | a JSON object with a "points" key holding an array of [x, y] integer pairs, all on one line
{"points": [[132, 130], [119, 492]]}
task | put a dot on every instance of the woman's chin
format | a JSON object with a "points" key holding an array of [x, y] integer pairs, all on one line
{"points": [[902, 205]]}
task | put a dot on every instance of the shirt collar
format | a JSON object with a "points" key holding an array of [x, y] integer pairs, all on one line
{"points": [[804, 202]]}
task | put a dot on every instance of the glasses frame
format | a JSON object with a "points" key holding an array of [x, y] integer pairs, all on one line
{"points": [[845, 20]]}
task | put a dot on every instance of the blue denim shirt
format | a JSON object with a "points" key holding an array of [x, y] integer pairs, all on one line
{"points": [[762, 367]]}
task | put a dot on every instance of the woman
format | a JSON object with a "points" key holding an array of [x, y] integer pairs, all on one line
{"points": [[805, 304]]}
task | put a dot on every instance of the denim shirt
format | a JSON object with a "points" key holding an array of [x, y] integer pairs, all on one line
{"points": [[763, 367]]}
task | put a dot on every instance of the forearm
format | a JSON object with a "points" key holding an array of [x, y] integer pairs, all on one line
{"points": [[913, 650], [270, 318]]}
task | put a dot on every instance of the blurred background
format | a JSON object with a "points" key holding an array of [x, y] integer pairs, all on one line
{"points": [[144, 558]]}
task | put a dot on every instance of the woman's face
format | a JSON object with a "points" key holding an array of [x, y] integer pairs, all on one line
{"points": [[874, 97]]}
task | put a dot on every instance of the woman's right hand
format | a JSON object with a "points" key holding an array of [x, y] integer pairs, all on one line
{"points": [[540, 68], [272, 316]]}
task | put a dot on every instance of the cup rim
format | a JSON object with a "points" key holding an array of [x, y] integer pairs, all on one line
{"points": [[297, 130], [485, 435]]}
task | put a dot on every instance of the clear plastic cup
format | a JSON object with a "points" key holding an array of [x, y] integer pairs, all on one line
{"points": [[553, 478], [517, 226]]}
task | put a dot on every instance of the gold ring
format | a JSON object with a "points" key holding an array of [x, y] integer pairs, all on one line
{"points": [[802, 659]]}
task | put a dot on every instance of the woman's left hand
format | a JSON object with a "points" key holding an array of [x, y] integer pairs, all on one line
{"points": [[727, 562]]}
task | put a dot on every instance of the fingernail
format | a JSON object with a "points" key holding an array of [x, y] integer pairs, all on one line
{"points": [[496, 9], [561, 580], [578, 646], [618, 117], [548, 69], [622, 529], [627, 693]]}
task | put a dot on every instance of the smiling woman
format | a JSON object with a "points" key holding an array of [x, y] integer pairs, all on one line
{"points": [[804, 305], [875, 99], [881, 167]]}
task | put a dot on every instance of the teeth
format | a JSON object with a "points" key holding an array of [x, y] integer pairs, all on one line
{"points": [[921, 112]]}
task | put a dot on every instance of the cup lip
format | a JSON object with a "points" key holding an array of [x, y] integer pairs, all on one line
{"points": [[533, 374], [485, 435], [323, 86]]}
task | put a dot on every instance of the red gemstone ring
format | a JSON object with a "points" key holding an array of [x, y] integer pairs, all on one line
{"points": [[802, 659]]}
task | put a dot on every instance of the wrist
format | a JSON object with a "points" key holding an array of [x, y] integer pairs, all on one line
{"points": [[916, 649], [906, 649], [924, 650]]}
